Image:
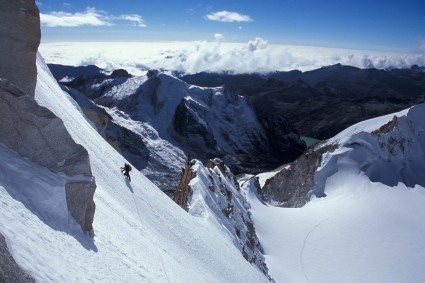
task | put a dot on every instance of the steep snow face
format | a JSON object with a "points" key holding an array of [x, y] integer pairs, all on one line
{"points": [[215, 196], [369, 227], [140, 234]]}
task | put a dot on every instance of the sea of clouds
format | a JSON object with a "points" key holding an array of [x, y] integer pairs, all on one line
{"points": [[192, 57]]}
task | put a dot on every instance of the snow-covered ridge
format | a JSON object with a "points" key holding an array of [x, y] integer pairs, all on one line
{"points": [[214, 195], [388, 150]]}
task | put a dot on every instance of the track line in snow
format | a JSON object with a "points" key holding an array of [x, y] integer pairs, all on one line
{"points": [[305, 242]]}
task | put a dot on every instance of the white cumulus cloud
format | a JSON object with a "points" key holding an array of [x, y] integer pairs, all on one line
{"points": [[90, 17], [137, 20], [228, 17]]}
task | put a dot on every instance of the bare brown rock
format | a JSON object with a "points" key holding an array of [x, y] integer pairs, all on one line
{"points": [[183, 189]]}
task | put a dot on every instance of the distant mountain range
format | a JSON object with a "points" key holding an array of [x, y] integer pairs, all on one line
{"points": [[323, 102], [252, 121]]}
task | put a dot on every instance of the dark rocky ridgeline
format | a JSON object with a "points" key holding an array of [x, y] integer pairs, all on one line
{"points": [[323, 102], [65, 73], [92, 84], [26, 127], [224, 202]]}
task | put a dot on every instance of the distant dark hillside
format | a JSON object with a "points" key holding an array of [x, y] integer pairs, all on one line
{"points": [[322, 102], [60, 72]]}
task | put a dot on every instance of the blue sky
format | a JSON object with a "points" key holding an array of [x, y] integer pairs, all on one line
{"points": [[371, 24]]}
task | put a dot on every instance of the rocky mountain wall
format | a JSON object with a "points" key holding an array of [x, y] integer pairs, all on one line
{"points": [[26, 127]]}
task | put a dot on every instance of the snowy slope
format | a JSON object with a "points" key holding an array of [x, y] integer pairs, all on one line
{"points": [[140, 234], [370, 226]]}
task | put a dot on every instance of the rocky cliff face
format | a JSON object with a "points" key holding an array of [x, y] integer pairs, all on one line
{"points": [[212, 192], [20, 37], [290, 187], [29, 129]]}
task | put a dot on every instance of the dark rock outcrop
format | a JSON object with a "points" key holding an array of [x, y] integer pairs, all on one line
{"points": [[289, 187], [79, 198], [9, 269], [183, 190]]}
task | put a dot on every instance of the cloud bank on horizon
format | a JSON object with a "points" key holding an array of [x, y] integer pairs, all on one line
{"points": [[192, 57]]}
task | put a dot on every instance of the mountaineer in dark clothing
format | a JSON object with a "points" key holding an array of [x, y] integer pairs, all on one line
{"points": [[126, 170]]}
